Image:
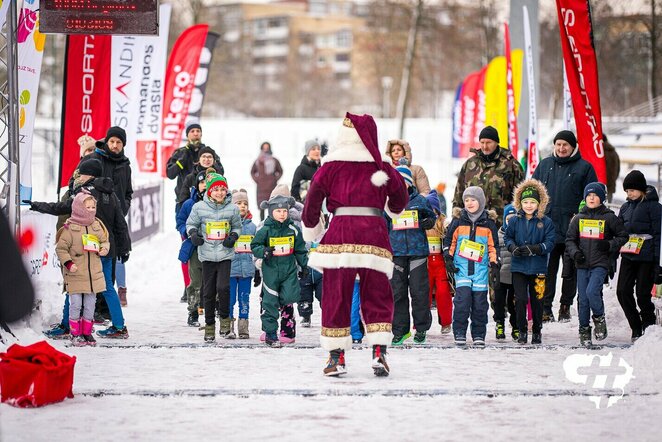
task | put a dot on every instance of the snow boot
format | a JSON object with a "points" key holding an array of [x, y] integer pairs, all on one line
{"points": [[536, 338], [446, 329], [500, 330], [399, 340], [242, 328], [87, 332], [271, 339], [460, 341], [419, 337], [226, 330], [193, 319], [305, 322], [523, 337], [600, 331], [479, 342], [636, 334], [564, 313], [379, 365], [114, 333], [514, 334], [122, 294], [184, 297], [335, 365], [548, 316], [585, 336], [357, 341], [210, 333], [284, 339], [58, 331], [77, 338]]}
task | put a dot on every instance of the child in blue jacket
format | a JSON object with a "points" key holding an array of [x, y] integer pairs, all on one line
{"points": [[243, 267], [410, 256], [529, 238]]}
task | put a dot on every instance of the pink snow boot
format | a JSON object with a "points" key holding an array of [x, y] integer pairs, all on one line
{"points": [[76, 337], [87, 333]]}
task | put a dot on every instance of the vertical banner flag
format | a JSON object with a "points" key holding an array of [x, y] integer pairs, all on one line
{"points": [[30, 43], [479, 110], [582, 73], [86, 96], [201, 78], [532, 156], [567, 102], [457, 121], [178, 87], [496, 105], [510, 96], [137, 72], [469, 94]]}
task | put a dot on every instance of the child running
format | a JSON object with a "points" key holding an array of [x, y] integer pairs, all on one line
{"points": [[80, 242]]}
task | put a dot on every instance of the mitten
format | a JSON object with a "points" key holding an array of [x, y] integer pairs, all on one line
{"points": [[579, 257], [268, 253], [257, 279], [603, 245], [230, 240], [304, 273], [196, 238], [450, 264], [426, 223]]}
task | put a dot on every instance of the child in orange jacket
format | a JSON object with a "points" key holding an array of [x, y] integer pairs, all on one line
{"points": [[439, 284]]}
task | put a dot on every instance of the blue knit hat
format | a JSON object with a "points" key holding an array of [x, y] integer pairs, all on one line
{"points": [[597, 188], [406, 174], [433, 199], [508, 210]]}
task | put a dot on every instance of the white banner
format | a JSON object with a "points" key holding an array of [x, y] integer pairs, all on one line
{"points": [[532, 155], [137, 73], [567, 102], [40, 259], [31, 44]]}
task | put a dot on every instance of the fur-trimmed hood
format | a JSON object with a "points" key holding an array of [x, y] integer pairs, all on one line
{"points": [[491, 214], [542, 190], [404, 144]]}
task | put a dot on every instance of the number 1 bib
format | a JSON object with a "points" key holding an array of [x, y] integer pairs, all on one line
{"points": [[91, 243], [434, 245], [217, 230], [472, 250], [407, 220], [634, 244], [243, 244], [592, 228], [283, 246]]}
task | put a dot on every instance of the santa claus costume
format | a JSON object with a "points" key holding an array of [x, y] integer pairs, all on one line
{"points": [[358, 184]]}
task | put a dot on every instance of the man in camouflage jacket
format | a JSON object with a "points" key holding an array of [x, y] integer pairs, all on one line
{"points": [[493, 169]]}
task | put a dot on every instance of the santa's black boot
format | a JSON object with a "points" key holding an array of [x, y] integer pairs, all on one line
{"points": [[379, 365]]}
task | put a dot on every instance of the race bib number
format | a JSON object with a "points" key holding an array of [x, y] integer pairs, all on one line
{"points": [[283, 246], [472, 250], [217, 230], [434, 245], [243, 244], [407, 220], [592, 228], [634, 244], [91, 243]]}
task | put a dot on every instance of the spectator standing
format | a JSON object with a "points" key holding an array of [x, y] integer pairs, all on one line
{"points": [[613, 167], [266, 172], [303, 174], [397, 149]]}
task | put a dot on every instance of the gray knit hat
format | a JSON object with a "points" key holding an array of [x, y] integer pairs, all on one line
{"points": [[239, 195], [277, 202], [310, 144], [476, 193]]}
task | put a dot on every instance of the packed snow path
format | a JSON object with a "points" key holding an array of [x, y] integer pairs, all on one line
{"points": [[164, 383]]}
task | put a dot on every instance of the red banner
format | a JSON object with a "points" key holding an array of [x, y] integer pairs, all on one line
{"points": [[179, 83], [469, 103], [582, 74], [86, 103], [510, 94]]}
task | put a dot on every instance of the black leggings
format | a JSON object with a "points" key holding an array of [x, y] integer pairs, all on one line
{"points": [[216, 280]]}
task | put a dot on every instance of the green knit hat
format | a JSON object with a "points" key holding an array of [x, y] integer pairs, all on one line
{"points": [[215, 179]]}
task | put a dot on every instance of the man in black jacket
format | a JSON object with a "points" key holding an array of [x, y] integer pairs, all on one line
{"points": [[565, 174], [305, 171], [206, 158], [184, 159]]}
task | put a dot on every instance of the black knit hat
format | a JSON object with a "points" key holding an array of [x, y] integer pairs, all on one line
{"points": [[207, 149], [568, 136], [490, 133], [118, 132], [192, 126], [90, 166], [635, 180]]}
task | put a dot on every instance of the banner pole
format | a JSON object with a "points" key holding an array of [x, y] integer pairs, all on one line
{"points": [[62, 114]]}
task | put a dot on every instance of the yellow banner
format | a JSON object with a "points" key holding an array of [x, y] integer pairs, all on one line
{"points": [[496, 105]]}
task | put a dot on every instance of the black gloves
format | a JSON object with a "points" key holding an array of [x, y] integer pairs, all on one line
{"points": [[268, 253], [124, 258], [495, 276], [257, 279], [536, 249], [603, 245], [304, 273], [579, 257], [426, 223], [196, 237], [519, 251], [450, 265], [230, 240], [527, 250]]}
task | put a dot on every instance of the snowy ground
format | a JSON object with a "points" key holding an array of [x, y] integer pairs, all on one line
{"points": [[163, 383]]}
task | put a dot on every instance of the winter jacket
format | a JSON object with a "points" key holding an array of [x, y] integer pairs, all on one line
{"points": [[643, 217], [302, 177], [613, 231], [108, 211], [497, 178], [187, 247], [242, 263], [190, 182], [89, 277], [117, 167], [565, 179], [266, 172], [505, 274], [208, 211], [421, 181], [181, 164], [411, 242], [272, 234], [539, 230], [483, 231]]}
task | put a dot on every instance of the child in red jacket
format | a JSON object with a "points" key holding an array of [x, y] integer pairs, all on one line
{"points": [[439, 284]]}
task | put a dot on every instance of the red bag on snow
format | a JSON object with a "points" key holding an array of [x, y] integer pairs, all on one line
{"points": [[35, 375]]}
